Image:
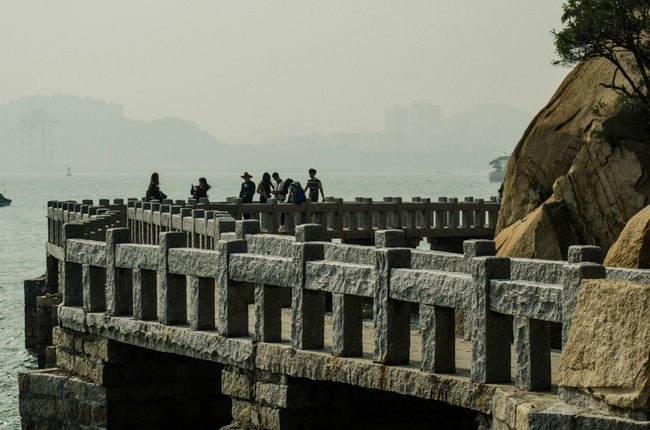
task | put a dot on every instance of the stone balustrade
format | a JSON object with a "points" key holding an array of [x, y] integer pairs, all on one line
{"points": [[181, 281], [210, 290], [353, 222]]}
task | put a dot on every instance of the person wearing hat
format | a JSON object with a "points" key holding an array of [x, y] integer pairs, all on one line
{"points": [[247, 191]]}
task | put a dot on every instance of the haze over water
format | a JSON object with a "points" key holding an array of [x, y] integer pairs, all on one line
{"points": [[234, 73]]}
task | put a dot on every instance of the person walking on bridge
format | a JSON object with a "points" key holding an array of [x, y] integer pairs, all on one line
{"points": [[247, 191]]}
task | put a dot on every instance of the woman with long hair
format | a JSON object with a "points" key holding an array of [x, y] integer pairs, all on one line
{"points": [[200, 191], [153, 192], [265, 187]]}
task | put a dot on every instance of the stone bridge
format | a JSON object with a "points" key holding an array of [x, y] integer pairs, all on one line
{"points": [[444, 224], [193, 321]]}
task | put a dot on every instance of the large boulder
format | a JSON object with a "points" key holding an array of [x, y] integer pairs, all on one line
{"points": [[632, 249], [529, 237], [588, 183], [606, 360]]}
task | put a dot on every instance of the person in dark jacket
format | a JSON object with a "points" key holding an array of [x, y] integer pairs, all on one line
{"points": [[200, 191], [247, 191], [153, 192]]}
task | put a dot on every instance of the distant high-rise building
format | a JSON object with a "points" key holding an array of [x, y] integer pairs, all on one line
{"points": [[425, 118], [397, 120]]}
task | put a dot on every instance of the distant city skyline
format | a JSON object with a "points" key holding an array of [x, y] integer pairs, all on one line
{"points": [[237, 68]]}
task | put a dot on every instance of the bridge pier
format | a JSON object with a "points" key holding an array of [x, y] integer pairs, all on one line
{"points": [[100, 383]]}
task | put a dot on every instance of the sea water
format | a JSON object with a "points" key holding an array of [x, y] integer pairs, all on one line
{"points": [[23, 230]]}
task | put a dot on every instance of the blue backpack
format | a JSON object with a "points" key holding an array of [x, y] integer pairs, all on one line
{"points": [[298, 193]]}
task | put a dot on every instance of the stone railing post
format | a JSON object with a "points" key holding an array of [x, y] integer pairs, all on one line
{"points": [[155, 227], [186, 212], [438, 339], [245, 227], [438, 323], [337, 224], [139, 220], [197, 215], [175, 210], [238, 210], [584, 262], [145, 287], [50, 224], [490, 330], [172, 298], [223, 225], [492, 212], [413, 218], [398, 215], [72, 272], [347, 325], [94, 288], [532, 340], [130, 222], [209, 238], [308, 307], [386, 217], [119, 285], [202, 303], [441, 215], [355, 217], [392, 318], [268, 313], [426, 215], [148, 225], [268, 298], [165, 214], [232, 317], [454, 213], [479, 214], [307, 214], [367, 217], [468, 215], [272, 222]]}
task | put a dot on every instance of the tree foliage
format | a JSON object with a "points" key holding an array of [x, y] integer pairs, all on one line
{"points": [[616, 30], [499, 163]]}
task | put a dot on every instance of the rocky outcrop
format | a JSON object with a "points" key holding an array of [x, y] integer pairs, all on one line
{"points": [[606, 360], [568, 181], [632, 249], [522, 238]]}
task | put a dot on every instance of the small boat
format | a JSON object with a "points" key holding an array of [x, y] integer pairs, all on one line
{"points": [[69, 172], [4, 201]]}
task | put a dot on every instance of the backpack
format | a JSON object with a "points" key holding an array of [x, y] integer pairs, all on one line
{"points": [[298, 193]]}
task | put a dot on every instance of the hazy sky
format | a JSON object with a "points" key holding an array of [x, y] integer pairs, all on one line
{"points": [[236, 67]]}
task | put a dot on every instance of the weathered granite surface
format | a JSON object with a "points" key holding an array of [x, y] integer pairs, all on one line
{"points": [[205, 345], [632, 248], [606, 360], [565, 184]]}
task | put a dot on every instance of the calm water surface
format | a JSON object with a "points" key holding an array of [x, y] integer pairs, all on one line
{"points": [[23, 231]]}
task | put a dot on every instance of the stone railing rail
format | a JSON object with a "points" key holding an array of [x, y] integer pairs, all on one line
{"points": [[358, 220], [210, 290]]}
